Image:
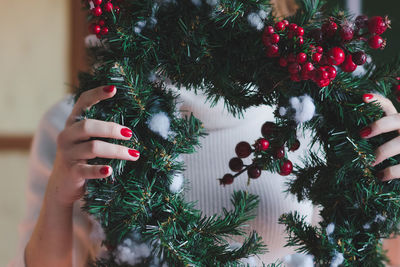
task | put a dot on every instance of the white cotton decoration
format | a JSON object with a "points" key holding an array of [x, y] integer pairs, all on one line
{"points": [[379, 218], [177, 183], [250, 261], [159, 123], [196, 2], [91, 5], [299, 260], [131, 252], [337, 259], [282, 111], [97, 233], [91, 40], [330, 228], [304, 108], [256, 21], [262, 14], [212, 2], [367, 226]]}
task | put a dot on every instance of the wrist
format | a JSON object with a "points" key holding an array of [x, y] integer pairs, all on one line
{"points": [[53, 196]]}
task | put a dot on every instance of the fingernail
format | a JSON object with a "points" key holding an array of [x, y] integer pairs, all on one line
{"points": [[368, 97], [126, 132], [365, 132], [133, 152], [380, 175], [109, 89], [105, 170]]}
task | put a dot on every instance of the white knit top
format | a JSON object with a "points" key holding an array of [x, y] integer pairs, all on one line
{"points": [[203, 169]]}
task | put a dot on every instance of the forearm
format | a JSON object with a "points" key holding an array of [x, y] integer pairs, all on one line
{"points": [[393, 247], [51, 240]]}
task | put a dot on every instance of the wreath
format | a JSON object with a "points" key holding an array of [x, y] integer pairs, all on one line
{"points": [[313, 66]]}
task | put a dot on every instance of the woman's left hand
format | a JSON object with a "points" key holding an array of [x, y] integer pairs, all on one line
{"points": [[390, 122]]}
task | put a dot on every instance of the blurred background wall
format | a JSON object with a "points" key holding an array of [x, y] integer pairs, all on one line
{"points": [[41, 50]]}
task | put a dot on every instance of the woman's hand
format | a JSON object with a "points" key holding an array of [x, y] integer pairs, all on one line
{"points": [[390, 122], [70, 169]]}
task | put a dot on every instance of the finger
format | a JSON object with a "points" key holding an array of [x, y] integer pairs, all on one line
{"points": [[100, 149], [85, 129], [90, 98], [387, 150], [389, 173], [386, 104], [383, 125], [92, 171]]}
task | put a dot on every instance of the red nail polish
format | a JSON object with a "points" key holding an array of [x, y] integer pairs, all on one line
{"points": [[133, 152], [368, 96], [126, 132], [398, 97], [105, 170], [109, 89], [365, 132]]}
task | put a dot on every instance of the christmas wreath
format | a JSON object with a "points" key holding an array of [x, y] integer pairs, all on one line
{"points": [[313, 66]]}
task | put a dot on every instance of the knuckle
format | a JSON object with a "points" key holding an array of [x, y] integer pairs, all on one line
{"points": [[93, 146], [114, 129], [84, 126]]}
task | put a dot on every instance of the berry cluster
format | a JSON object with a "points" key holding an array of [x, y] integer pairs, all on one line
{"points": [[316, 55], [100, 9], [244, 150]]}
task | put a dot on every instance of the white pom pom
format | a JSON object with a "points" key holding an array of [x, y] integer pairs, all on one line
{"points": [[262, 14], [367, 226], [177, 182], [282, 111], [212, 2], [330, 228], [255, 20], [131, 252], [160, 124], [379, 218], [91, 40], [337, 259], [304, 108], [298, 260]]}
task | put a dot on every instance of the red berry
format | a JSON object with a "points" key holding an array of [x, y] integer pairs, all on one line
{"points": [[269, 30], [308, 66], [301, 58], [108, 7], [286, 22], [375, 42], [226, 179], [319, 50], [322, 83], [274, 39], [292, 27], [316, 57], [267, 128], [99, 36], [299, 31], [104, 31], [305, 75], [254, 172], [294, 68], [101, 23], [117, 9], [283, 62], [396, 88], [97, 2], [348, 64], [378, 25], [331, 72], [346, 33], [243, 149], [97, 11], [266, 39], [336, 56], [279, 152], [329, 28], [272, 51], [94, 28], [261, 144], [236, 164], [316, 34], [295, 146], [280, 26], [359, 58], [361, 21], [300, 40], [286, 168], [322, 74]]}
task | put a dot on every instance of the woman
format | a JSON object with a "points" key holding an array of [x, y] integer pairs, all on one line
{"points": [[62, 235]]}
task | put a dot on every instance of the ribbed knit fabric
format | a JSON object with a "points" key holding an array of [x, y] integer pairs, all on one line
{"points": [[211, 162]]}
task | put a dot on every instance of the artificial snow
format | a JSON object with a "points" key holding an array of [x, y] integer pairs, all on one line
{"points": [[298, 260], [304, 108], [159, 123], [337, 259], [256, 20], [177, 183]]}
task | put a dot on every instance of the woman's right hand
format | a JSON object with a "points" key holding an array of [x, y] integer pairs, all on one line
{"points": [[74, 148]]}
